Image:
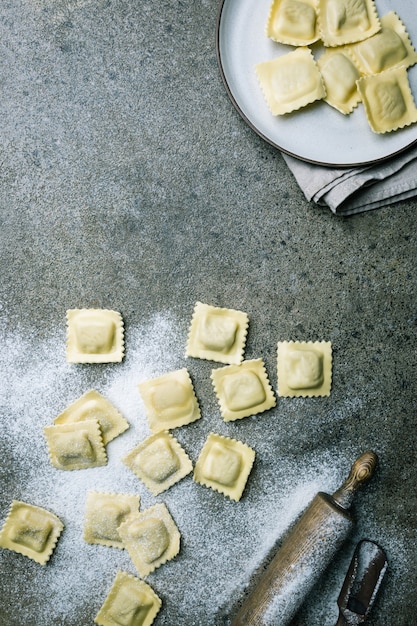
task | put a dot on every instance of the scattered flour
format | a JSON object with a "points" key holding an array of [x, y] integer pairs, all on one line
{"points": [[223, 543], [37, 384]]}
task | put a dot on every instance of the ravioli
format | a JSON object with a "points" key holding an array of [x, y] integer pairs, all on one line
{"points": [[217, 334], [75, 446], [31, 531], [347, 21], [291, 81], [92, 405], [151, 538], [169, 400], [94, 336], [224, 464], [340, 76], [304, 368], [104, 513], [388, 101], [159, 462], [293, 22], [387, 49], [243, 390], [130, 602]]}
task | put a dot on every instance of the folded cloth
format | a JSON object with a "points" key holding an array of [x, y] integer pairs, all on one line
{"points": [[352, 190]]}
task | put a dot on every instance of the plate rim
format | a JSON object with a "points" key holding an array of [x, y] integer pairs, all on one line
{"points": [[267, 139]]}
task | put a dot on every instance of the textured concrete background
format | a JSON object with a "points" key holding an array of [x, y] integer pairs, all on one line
{"points": [[128, 181]]}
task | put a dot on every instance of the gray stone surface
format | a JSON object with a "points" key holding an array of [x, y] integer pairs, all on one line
{"points": [[128, 181]]}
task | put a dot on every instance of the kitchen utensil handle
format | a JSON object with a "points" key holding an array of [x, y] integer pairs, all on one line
{"points": [[296, 567], [361, 471]]}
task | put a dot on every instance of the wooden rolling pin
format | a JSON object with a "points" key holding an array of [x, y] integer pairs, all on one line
{"points": [[305, 553]]}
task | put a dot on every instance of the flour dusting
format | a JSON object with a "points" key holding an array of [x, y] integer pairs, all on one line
{"points": [[223, 543]]}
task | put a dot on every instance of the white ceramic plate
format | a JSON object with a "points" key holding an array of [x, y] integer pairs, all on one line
{"points": [[318, 133]]}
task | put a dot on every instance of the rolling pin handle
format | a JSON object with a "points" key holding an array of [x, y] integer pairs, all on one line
{"points": [[361, 471]]}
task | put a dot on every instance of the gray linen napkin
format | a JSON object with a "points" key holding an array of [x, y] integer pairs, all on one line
{"points": [[348, 191]]}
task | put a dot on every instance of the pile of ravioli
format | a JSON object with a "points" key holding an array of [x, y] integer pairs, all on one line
{"points": [[78, 437], [365, 59]]}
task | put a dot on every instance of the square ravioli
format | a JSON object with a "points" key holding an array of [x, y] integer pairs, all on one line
{"points": [[130, 602], [291, 81], [388, 100], [389, 48], [217, 334], [293, 22], [94, 336], [104, 513], [159, 462], [340, 75], [347, 21], [92, 405], [304, 368], [30, 530], [224, 465], [151, 538], [77, 445], [243, 390], [169, 401]]}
